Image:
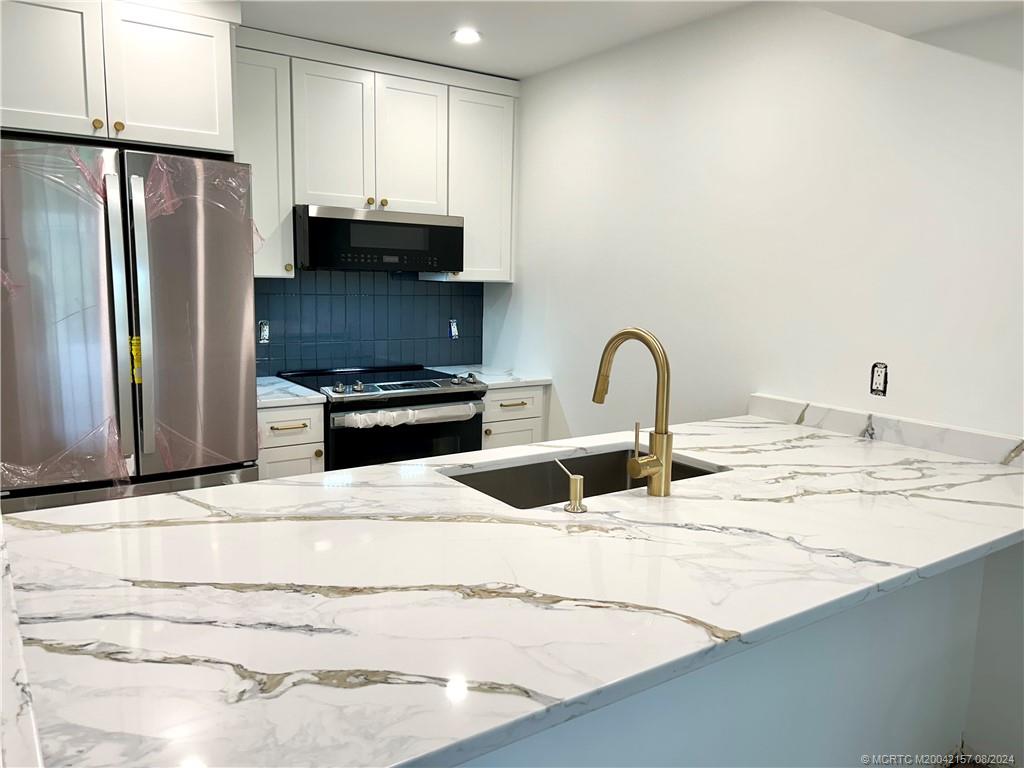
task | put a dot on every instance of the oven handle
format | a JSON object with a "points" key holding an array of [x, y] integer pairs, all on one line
{"points": [[417, 414]]}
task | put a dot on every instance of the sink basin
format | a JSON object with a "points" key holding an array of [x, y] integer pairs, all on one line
{"points": [[541, 483]]}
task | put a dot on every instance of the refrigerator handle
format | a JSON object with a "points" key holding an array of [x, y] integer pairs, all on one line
{"points": [[122, 333], [137, 187]]}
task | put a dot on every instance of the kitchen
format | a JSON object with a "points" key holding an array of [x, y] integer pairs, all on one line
{"points": [[256, 253]]}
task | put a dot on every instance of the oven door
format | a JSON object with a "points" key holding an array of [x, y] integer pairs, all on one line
{"points": [[380, 436]]}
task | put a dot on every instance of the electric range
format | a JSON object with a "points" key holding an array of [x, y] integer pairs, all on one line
{"points": [[395, 413]]}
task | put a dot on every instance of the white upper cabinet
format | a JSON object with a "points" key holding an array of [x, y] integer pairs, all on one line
{"points": [[51, 58], [263, 138], [168, 77], [412, 145], [117, 70], [482, 137], [333, 122]]}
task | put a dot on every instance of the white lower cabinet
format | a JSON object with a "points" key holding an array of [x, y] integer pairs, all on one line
{"points": [[501, 434], [291, 440], [515, 416], [514, 403], [290, 460]]}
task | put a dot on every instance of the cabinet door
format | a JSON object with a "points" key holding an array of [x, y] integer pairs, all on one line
{"points": [[168, 77], [263, 138], [51, 58], [481, 138], [290, 460], [501, 434], [412, 145], [333, 133]]}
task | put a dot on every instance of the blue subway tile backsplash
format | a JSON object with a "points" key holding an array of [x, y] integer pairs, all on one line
{"points": [[325, 319]]}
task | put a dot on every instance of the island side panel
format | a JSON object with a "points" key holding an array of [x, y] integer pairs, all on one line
{"points": [[996, 712], [892, 676]]}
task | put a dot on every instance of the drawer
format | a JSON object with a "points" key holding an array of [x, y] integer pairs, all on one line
{"points": [[290, 426], [517, 403], [290, 460], [502, 434]]}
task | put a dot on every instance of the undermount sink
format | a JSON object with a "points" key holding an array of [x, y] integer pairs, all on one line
{"points": [[543, 482]]}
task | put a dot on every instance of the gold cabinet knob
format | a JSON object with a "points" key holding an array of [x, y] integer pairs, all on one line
{"points": [[288, 267], [383, 202], [118, 126], [97, 123], [318, 453], [488, 432], [370, 201]]}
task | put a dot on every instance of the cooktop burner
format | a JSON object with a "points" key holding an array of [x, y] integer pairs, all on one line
{"points": [[354, 384]]}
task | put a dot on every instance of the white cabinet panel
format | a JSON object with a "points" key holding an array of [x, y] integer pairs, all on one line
{"points": [[263, 138], [290, 460], [168, 77], [481, 136], [514, 403], [501, 434], [412, 145], [290, 426], [333, 120], [51, 58]]}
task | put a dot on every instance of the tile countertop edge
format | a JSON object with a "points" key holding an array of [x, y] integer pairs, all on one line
{"points": [[800, 472], [496, 377], [274, 392]]}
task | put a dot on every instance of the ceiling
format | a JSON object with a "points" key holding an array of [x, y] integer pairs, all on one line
{"points": [[519, 38], [524, 37], [912, 18]]}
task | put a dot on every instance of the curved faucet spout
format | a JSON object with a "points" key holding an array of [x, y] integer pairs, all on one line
{"points": [[657, 351]]}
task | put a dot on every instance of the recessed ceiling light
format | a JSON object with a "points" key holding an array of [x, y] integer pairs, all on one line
{"points": [[466, 35]]}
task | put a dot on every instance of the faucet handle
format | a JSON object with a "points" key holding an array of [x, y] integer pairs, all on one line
{"points": [[636, 440]]}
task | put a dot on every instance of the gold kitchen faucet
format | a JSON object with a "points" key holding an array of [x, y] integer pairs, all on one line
{"points": [[657, 465]]}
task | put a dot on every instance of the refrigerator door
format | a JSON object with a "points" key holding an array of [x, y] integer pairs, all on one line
{"points": [[192, 248], [62, 410]]}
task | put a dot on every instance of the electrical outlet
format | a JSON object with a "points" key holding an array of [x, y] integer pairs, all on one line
{"points": [[453, 329], [264, 332], [879, 379]]}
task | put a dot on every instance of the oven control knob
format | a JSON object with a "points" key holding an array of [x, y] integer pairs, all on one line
{"points": [[457, 380], [472, 379], [358, 386], [339, 388]]}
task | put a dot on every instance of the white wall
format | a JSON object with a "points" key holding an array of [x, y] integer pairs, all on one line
{"points": [[784, 196], [998, 38]]}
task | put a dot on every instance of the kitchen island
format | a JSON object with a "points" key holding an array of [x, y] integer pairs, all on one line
{"points": [[391, 614]]}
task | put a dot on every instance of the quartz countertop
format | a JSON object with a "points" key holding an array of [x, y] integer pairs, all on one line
{"points": [[498, 378], [273, 392], [390, 614]]}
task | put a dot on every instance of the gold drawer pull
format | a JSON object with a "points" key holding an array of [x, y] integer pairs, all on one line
{"points": [[275, 428], [488, 431], [520, 404]]}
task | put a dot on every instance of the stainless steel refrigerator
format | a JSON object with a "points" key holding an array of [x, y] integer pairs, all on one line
{"points": [[127, 360]]}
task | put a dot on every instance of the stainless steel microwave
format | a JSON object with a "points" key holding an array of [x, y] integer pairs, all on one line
{"points": [[351, 238]]}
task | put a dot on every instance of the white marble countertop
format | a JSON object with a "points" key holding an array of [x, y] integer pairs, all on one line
{"points": [[498, 378], [390, 614], [272, 392]]}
